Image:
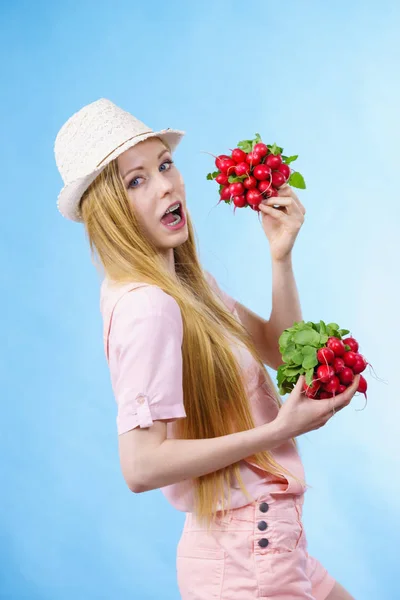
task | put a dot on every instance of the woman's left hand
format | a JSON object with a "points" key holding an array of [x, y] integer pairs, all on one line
{"points": [[282, 225]]}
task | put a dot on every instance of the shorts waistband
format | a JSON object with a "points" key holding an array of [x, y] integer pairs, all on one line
{"points": [[288, 507]]}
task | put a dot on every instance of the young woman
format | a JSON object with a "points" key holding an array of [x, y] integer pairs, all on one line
{"points": [[198, 414]]}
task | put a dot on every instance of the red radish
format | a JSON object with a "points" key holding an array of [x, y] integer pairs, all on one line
{"points": [[261, 149], [261, 172], [225, 193], [362, 385], [346, 376], [360, 364], [239, 201], [227, 166], [336, 345], [332, 385], [325, 395], [352, 343], [264, 186], [236, 189], [325, 373], [310, 393], [325, 356], [273, 161], [222, 179], [253, 158], [342, 388], [254, 197], [313, 388], [349, 358], [338, 365], [243, 168], [250, 182], [272, 192], [238, 155], [278, 179], [285, 170], [219, 159]]}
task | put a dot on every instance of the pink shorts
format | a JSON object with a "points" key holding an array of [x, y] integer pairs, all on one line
{"points": [[256, 551]]}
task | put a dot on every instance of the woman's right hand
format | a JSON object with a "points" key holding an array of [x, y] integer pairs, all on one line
{"points": [[300, 414]]}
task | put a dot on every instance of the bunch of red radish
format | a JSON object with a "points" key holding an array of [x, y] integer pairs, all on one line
{"points": [[264, 174], [337, 368], [247, 178]]}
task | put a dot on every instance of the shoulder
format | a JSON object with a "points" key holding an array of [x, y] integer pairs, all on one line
{"points": [[148, 301], [137, 300]]}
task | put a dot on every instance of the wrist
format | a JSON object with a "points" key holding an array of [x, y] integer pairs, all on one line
{"points": [[286, 261], [277, 433]]}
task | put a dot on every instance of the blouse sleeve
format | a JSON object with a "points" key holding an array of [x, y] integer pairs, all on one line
{"points": [[145, 358], [226, 299]]}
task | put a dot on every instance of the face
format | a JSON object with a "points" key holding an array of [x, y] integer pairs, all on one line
{"points": [[152, 189]]}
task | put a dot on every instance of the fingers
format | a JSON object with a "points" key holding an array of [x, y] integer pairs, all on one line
{"points": [[336, 403], [287, 190], [287, 204], [342, 400], [273, 212]]}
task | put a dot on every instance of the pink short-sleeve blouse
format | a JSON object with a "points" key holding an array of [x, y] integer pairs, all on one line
{"points": [[143, 336], [145, 358]]}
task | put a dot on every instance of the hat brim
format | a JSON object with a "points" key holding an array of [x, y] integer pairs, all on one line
{"points": [[70, 195]]}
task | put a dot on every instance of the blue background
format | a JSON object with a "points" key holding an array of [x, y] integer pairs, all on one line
{"points": [[321, 80]]}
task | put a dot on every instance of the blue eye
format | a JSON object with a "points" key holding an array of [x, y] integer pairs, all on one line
{"points": [[169, 162]]}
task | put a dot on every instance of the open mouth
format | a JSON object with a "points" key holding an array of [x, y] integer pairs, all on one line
{"points": [[173, 215]]}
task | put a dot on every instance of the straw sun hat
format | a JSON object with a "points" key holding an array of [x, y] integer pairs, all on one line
{"points": [[89, 140]]}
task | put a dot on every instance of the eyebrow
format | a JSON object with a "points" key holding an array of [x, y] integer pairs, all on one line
{"points": [[141, 168]]}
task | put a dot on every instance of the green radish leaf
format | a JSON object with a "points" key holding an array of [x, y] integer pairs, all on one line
{"points": [[347, 347], [221, 188], [257, 140], [307, 350], [297, 180], [235, 178], [307, 337], [289, 352], [324, 338], [343, 332], [322, 327], [334, 326], [310, 361], [297, 357], [284, 338], [293, 371], [287, 357], [213, 175], [245, 145], [289, 159], [309, 376], [274, 149]]}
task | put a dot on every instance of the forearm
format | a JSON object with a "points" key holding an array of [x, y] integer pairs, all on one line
{"points": [[177, 460], [286, 307]]}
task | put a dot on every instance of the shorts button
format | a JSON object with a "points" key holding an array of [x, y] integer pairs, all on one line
{"points": [[262, 526], [264, 507], [263, 542]]}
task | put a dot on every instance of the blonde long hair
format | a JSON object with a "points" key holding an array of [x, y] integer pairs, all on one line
{"points": [[215, 398]]}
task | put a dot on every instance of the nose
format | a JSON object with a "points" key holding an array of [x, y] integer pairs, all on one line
{"points": [[164, 185]]}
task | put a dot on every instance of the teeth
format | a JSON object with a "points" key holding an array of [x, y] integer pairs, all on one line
{"points": [[177, 220], [172, 208]]}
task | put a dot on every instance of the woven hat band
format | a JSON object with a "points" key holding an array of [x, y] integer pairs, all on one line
{"points": [[124, 142]]}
